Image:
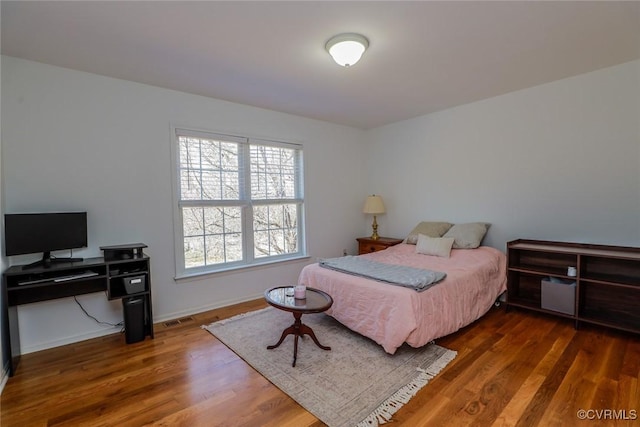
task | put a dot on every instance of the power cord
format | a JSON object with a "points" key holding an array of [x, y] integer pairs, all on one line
{"points": [[96, 320]]}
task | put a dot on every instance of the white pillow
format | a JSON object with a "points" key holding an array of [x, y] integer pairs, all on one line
{"points": [[438, 246]]}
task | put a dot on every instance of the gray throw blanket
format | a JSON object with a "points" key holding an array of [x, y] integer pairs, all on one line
{"points": [[410, 277]]}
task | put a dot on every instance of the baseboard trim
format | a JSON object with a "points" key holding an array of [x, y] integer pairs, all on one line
{"points": [[203, 308], [108, 331], [5, 376], [69, 340]]}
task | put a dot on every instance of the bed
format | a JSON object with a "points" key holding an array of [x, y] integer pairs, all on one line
{"points": [[392, 315]]}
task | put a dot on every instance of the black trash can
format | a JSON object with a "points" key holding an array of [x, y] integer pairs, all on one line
{"points": [[133, 309]]}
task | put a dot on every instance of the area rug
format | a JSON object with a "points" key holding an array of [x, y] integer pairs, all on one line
{"points": [[356, 383]]}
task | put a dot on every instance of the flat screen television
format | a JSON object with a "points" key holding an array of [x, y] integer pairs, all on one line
{"points": [[30, 233]]}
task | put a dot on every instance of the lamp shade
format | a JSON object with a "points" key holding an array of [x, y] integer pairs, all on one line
{"points": [[373, 205], [347, 49]]}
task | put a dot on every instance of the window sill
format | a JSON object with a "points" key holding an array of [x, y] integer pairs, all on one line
{"points": [[187, 277]]}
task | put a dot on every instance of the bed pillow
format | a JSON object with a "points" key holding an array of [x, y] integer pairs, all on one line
{"points": [[438, 246], [428, 228], [468, 236]]}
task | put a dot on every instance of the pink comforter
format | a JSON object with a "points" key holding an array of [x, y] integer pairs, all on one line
{"points": [[391, 315]]}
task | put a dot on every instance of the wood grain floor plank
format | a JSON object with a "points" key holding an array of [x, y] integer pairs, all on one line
{"points": [[513, 369]]}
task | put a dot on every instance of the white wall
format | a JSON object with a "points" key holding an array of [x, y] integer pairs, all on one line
{"points": [[77, 141], [560, 161]]}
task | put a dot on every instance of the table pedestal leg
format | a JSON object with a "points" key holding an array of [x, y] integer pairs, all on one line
{"points": [[298, 329]]}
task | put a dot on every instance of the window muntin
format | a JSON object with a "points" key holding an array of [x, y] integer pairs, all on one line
{"points": [[273, 172], [212, 235], [275, 229], [239, 202], [209, 169]]}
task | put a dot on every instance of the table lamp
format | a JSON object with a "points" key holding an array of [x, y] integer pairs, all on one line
{"points": [[374, 205]]}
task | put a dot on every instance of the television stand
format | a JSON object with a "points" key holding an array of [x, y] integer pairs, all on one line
{"points": [[126, 278]]}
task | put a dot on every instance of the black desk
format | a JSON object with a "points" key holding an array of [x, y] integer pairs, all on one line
{"points": [[61, 280]]}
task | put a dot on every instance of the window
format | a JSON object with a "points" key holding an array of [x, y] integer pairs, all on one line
{"points": [[239, 202]]}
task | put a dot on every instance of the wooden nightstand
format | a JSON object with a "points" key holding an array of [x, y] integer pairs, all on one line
{"points": [[366, 245]]}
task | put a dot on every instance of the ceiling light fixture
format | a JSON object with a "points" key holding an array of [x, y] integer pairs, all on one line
{"points": [[347, 49]]}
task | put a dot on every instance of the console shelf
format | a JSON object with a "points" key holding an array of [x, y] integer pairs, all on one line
{"points": [[123, 273], [607, 281]]}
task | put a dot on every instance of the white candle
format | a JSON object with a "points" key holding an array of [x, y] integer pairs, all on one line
{"points": [[300, 292]]}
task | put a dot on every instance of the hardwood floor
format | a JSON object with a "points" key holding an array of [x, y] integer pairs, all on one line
{"points": [[512, 369]]}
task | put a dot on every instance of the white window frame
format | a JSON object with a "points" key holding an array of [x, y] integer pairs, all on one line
{"points": [[245, 202]]}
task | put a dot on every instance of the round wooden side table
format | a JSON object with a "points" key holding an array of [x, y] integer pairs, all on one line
{"points": [[316, 301]]}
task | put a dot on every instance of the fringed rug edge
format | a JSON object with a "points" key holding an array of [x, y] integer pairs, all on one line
{"points": [[383, 413]]}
